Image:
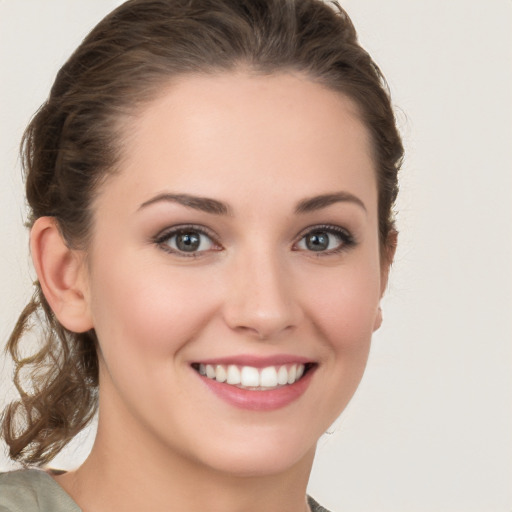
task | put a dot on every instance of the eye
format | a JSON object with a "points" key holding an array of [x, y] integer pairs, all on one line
{"points": [[325, 239], [186, 241]]}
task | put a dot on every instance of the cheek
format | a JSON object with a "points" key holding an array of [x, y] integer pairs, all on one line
{"points": [[150, 313], [343, 304]]}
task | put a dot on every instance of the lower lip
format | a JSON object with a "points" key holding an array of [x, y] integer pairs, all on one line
{"points": [[259, 400]]}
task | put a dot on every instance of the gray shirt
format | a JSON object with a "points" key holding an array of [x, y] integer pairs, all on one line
{"points": [[33, 490]]}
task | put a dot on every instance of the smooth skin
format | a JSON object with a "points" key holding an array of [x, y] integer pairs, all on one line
{"points": [[254, 284]]}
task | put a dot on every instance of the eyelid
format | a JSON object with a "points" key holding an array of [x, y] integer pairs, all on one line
{"points": [[348, 239], [171, 231]]}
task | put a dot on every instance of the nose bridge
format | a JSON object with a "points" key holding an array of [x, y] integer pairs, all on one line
{"points": [[260, 298]]}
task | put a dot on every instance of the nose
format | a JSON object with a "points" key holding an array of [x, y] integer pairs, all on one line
{"points": [[261, 301]]}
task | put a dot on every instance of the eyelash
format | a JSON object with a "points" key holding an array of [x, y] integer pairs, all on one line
{"points": [[346, 239], [166, 235]]}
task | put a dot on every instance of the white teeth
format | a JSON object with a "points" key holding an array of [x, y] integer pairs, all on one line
{"points": [[210, 371], [292, 374], [282, 376], [268, 378], [233, 375], [250, 377], [220, 374]]}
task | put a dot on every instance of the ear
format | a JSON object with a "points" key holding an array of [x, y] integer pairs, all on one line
{"points": [[387, 257], [62, 275]]}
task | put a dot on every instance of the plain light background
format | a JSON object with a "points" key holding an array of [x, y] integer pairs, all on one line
{"points": [[430, 428]]}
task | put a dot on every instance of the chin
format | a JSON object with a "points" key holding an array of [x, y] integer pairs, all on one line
{"points": [[260, 464], [260, 454]]}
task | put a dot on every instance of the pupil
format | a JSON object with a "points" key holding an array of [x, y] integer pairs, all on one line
{"points": [[317, 241], [187, 242]]}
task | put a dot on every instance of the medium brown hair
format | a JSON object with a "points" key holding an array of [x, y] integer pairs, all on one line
{"points": [[74, 142]]}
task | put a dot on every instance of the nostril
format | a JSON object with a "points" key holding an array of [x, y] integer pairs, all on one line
{"points": [[264, 331]]}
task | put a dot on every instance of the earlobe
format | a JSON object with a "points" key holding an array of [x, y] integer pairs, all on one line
{"points": [[378, 319], [61, 274], [387, 259]]}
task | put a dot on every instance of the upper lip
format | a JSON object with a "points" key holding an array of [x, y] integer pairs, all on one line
{"points": [[256, 361]]}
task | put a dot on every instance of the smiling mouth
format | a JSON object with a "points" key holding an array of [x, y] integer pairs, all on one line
{"points": [[252, 378]]}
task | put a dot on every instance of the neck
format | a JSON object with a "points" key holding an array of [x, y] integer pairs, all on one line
{"points": [[128, 475]]}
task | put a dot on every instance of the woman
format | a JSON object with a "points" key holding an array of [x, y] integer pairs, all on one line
{"points": [[211, 186]]}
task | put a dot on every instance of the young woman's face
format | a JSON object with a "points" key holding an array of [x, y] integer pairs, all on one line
{"points": [[236, 249]]}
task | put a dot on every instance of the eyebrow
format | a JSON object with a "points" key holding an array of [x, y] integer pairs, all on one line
{"points": [[213, 206], [323, 201], [203, 204]]}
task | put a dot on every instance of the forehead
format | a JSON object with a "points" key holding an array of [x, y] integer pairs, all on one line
{"points": [[246, 135]]}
